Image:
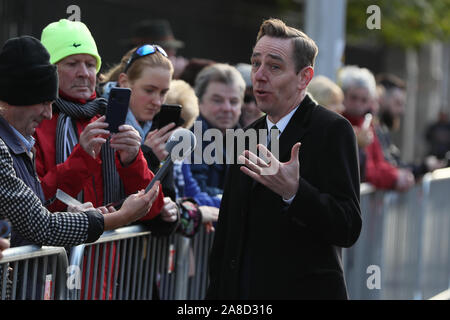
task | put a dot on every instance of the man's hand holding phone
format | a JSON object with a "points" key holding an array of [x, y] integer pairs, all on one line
{"points": [[94, 136], [127, 143], [156, 140]]}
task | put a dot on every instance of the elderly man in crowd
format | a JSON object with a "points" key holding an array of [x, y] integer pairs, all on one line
{"points": [[359, 89], [74, 149], [220, 89], [28, 86]]}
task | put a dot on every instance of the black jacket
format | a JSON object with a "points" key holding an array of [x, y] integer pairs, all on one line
{"points": [[22, 202], [266, 249]]}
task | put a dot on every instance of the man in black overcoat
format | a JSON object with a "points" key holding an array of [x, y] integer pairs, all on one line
{"points": [[280, 232]]}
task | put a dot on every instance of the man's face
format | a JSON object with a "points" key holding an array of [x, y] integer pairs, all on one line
{"points": [[395, 102], [392, 107], [77, 76], [276, 85], [357, 101], [221, 105], [25, 119]]}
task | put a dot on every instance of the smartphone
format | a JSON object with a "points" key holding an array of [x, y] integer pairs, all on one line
{"points": [[116, 111], [367, 121], [169, 113]]}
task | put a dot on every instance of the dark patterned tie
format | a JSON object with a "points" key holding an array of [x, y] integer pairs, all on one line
{"points": [[269, 135]]}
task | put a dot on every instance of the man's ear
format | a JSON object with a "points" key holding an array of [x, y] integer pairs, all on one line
{"points": [[305, 76], [123, 81]]}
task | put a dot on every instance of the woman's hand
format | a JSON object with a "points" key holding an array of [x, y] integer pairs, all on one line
{"points": [[209, 215], [156, 140], [169, 212]]}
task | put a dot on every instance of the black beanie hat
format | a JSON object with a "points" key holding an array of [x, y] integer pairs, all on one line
{"points": [[26, 75]]}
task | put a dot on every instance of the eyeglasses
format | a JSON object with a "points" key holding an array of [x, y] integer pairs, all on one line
{"points": [[142, 51]]}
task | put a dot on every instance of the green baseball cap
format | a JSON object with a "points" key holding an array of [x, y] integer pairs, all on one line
{"points": [[65, 38]]}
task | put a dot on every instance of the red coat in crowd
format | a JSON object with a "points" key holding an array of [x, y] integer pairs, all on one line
{"points": [[378, 171], [82, 172]]}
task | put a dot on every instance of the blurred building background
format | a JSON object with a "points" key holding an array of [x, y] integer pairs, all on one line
{"points": [[413, 41]]}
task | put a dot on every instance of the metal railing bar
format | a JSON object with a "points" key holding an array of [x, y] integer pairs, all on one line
{"points": [[14, 284], [94, 274], [128, 273], [87, 273], [43, 275], [24, 279], [110, 264], [122, 267], [34, 277], [134, 254], [117, 259], [102, 274]]}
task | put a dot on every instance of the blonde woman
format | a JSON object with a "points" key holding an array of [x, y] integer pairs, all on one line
{"points": [[147, 71], [327, 93]]}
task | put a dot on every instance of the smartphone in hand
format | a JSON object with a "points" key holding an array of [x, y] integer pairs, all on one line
{"points": [[367, 121], [169, 113], [116, 112]]}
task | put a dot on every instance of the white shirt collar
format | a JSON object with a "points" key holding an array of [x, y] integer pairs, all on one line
{"points": [[283, 122]]}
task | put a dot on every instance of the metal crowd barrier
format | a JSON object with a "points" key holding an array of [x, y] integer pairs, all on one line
{"points": [[435, 269], [33, 273], [125, 264], [404, 248], [445, 295], [198, 282], [403, 253]]}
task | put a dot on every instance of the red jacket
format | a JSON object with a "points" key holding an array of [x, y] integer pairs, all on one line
{"points": [[82, 172], [378, 171]]}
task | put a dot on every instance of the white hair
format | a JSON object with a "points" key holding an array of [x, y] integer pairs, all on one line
{"points": [[246, 71], [354, 76]]}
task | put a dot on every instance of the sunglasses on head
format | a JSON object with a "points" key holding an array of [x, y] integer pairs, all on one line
{"points": [[142, 51]]}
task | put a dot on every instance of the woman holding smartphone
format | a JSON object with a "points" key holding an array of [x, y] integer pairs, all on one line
{"points": [[147, 71]]}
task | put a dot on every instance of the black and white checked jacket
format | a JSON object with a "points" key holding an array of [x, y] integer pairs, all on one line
{"points": [[20, 205]]}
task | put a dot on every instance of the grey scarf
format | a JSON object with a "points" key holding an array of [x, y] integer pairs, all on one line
{"points": [[67, 138]]}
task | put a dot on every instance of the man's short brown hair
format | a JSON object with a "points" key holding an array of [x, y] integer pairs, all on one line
{"points": [[305, 49]]}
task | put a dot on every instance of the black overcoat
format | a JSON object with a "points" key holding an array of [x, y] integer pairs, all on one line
{"points": [[279, 251]]}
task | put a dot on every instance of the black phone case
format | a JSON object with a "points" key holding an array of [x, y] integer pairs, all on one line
{"points": [[116, 112], [169, 113]]}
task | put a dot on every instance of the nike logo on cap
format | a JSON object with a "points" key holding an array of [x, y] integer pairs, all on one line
{"points": [[76, 45]]}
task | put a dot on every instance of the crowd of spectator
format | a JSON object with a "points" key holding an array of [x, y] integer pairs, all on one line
{"points": [[66, 143]]}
